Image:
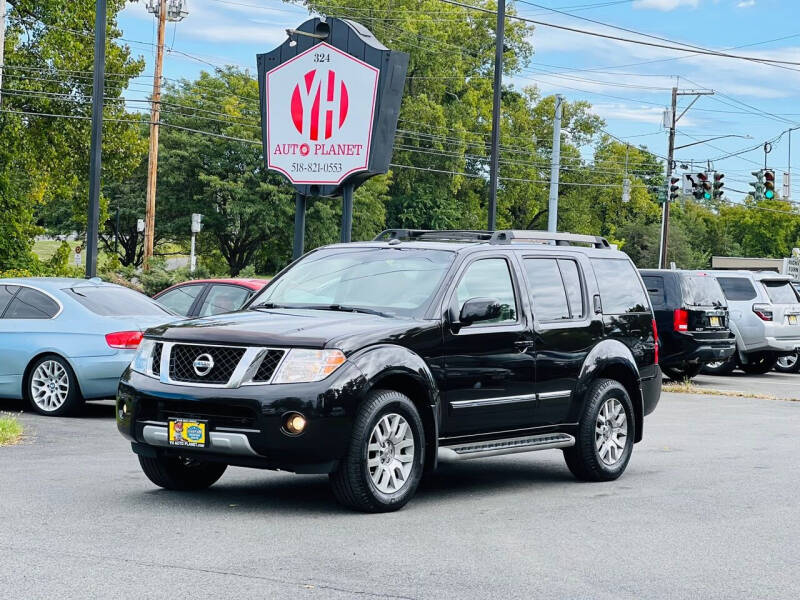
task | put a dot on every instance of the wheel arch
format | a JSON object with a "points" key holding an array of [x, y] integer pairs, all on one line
{"points": [[390, 367], [42, 354], [612, 359]]}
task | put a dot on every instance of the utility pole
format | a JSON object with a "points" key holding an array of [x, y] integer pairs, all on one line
{"points": [[494, 163], [96, 153], [673, 121], [165, 10], [2, 44], [555, 167]]}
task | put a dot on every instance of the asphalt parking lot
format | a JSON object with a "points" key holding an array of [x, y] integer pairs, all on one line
{"points": [[707, 509], [780, 385]]}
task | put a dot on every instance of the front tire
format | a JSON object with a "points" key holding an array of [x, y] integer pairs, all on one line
{"points": [[384, 462], [51, 387], [683, 371], [759, 364], [181, 474], [605, 434]]}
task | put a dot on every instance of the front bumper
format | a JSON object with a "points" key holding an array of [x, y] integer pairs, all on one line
{"points": [[245, 424]]}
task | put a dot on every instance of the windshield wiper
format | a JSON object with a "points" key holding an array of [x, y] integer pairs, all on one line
{"points": [[267, 305], [355, 309]]}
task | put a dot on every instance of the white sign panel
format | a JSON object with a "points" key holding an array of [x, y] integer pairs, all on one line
{"points": [[320, 110]]}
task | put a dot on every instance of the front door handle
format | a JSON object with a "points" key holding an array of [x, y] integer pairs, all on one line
{"points": [[522, 346]]}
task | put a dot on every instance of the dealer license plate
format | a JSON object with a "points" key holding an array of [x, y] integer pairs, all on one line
{"points": [[792, 319], [191, 434], [714, 321]]}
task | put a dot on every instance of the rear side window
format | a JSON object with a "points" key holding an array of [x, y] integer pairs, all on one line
{"points": [[780, 292], [180, 299], [224, 299], [737, 288], [655, 289], [555, 288], [116, 301], [620, 289], [701, 290], [31, 304], [6, 294]]}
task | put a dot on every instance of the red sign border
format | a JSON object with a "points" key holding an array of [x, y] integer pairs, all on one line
{"points": [[344, 176]]}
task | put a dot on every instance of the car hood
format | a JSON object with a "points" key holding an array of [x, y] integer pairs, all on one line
{"points": [[288, 327]]}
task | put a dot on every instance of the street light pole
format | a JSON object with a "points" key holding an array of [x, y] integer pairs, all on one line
{"points": [[494, 163], [2, 44], [95, 157]]}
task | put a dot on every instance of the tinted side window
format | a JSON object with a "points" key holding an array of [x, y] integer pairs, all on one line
{"points": [[111, 301], [6, 293], [620, 289], [489, 278], [737, 288], [655, 289], [180, 299], [546, 289], [31, 304], [223, 299]]}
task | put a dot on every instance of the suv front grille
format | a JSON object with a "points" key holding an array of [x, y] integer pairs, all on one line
{"points": [[156, 364], [267, 367], [182, 357]]}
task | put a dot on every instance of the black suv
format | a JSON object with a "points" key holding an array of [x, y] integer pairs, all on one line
{"points": [[692, 318], [370, 361]]}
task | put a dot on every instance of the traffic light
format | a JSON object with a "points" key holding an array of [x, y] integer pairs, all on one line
{"points": [[758, 185], [769, 184], [701, 187], [674, 188], [718, 183]]}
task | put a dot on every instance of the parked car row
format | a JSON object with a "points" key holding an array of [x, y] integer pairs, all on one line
{"points": [[717, 321]]}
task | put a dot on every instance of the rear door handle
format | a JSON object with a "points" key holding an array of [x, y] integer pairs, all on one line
{"points": [[522, 346]]}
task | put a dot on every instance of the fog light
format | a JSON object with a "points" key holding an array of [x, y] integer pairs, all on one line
{"points": [[294, 423]]}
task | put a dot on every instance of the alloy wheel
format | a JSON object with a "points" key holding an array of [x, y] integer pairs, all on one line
{"points": [[788, 362], [50, 385], [390, 453], [611, 431]]}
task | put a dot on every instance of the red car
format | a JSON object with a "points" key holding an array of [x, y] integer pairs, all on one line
{"points": [[205, 297]]}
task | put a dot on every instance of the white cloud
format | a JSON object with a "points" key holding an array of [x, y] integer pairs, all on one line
{"points": [[746, 4], [665, 5]]}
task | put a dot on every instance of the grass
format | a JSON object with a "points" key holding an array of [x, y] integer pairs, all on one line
{"points": [[10, 430], [687, 387]]}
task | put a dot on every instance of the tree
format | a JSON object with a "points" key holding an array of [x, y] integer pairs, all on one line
{"points": [[49, 58]]}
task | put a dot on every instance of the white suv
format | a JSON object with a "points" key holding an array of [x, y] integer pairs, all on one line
{"points": [[765, 317]]}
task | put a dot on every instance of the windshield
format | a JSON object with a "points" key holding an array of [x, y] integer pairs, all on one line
{"points": [[395, 281], [701, 290], [116, 301], [780, 292]]}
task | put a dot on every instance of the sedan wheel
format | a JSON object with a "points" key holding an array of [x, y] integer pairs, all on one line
{"points": [[51, 388]]}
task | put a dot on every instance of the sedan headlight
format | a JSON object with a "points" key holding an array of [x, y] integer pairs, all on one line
{"points": [[303, 366], [141, 362]]}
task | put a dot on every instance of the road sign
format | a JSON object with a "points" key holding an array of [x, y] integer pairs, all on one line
{"points": [[78, 251]]}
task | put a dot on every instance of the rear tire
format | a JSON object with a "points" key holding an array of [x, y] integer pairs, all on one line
{"points": [[605, 434], [384, 462], [725, 367], [181, 474], [682, 372], [761, 363], [51, 387], [788, 364]]}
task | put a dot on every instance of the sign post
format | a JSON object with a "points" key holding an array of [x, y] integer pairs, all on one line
{"points": [[330, 98], [197, 227]]}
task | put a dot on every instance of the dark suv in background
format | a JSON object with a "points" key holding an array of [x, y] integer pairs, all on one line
{"points": [[370, 361], [692, 317]]}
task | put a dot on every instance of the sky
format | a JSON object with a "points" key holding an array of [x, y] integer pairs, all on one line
{"points": [[629, 85]]}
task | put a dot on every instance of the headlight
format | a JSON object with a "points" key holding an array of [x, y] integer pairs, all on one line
{"points": [[303, 366], [141, 363]]}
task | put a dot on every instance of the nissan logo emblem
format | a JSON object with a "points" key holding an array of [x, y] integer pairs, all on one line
{"points": [[203, 365]]}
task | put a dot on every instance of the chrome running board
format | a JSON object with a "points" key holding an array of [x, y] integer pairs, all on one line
{"points": [[528, 443]]}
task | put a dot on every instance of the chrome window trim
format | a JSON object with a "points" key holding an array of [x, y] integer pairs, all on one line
{"points": [[40, 290]]}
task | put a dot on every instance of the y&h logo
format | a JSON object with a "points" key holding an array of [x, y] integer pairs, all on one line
{"points": [[320, 103]]}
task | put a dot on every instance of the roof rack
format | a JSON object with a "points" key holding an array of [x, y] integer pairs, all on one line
{"points": [[509, 236], [433, 235]]}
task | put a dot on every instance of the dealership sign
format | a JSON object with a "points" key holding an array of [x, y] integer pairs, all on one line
{"points": [[320, 112], [330, 98]]}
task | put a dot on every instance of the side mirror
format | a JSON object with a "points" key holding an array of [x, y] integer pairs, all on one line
{"points": [[476, 310]]}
